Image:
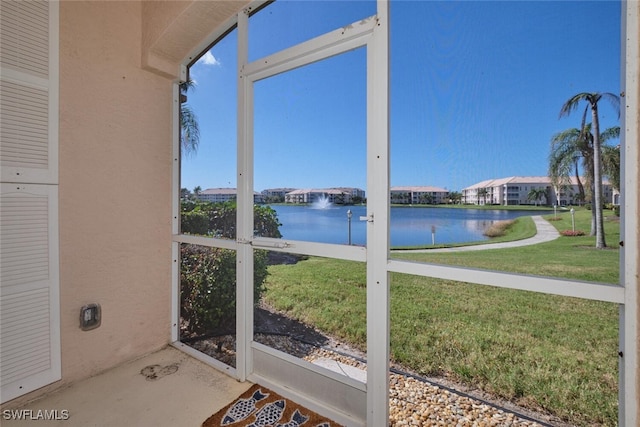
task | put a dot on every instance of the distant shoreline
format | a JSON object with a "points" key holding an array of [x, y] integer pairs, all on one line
{"points": [[452, 206]]}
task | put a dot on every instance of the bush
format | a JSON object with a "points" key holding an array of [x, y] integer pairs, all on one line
{"points": [[208, 275], [208, 287], [195, 222], [219, 219], [498, 228], [571, 233]]}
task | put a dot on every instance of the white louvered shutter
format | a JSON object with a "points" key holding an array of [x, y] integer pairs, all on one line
{"points": [[29, 271]]}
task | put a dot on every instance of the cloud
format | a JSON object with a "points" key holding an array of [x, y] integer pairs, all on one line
{"points": [[208, 59]]}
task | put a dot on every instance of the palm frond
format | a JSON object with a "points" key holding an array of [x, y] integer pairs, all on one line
{"points": [[189, 130]]}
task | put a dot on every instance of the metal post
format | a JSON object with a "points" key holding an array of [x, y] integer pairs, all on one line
{"points": [[349, 215], [573, 220]]}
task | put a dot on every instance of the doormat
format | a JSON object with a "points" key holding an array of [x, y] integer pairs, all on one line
{"points": [[261, 407]]}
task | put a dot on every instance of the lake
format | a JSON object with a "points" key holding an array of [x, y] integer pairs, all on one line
{"points": [[410, 226]]}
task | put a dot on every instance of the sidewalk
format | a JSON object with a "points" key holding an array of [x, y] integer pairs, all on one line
{"points": [[545, 233]]}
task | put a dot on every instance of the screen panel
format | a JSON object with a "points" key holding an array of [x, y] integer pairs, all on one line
{"points": [[310, 149]]}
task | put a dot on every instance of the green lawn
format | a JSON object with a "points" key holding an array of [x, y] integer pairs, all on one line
{"points": [[544, 352], [566, 257]]}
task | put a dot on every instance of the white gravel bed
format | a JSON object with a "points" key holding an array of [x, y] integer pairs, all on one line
{"points": [[412, 402]]}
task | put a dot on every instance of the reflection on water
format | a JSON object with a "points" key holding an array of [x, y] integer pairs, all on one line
{"points": [[409, 225]]}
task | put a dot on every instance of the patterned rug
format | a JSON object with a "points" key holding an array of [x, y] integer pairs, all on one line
{"points": [[261, 407]]}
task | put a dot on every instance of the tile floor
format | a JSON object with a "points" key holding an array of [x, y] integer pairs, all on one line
{"points": [[177, 390]]}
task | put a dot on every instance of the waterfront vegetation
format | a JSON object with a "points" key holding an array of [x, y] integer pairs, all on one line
{"points": [[544, 352]]}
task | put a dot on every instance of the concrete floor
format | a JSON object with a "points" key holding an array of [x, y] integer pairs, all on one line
{"points": [[184, 393]]}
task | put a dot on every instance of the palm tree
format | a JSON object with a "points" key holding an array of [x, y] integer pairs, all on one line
{"points": [[536, 194], [592, 100], [611, 157], [567, 148], [189, 129], [483, 192], [611, 165], [455, 197]]}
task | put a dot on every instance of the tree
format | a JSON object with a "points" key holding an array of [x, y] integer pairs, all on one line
{"points": [[611, 165], [611, 157], [185, 194], [592, 100], [483, 192], [455, 197], [189, 129], [426, 199], [536, 194], [567, 149]]}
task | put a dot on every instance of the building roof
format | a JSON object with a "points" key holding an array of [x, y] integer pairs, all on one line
{"points": [[418, 189], [278, 190], [514, 180], [340, 190], [221, 191]]}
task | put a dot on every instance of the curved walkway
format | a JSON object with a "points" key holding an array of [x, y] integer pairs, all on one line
{"points": [[545, 232]]}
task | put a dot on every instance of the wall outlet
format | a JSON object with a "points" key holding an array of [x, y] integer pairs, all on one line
{"points": [[90, 316]]}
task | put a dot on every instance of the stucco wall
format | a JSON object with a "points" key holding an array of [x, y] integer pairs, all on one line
{"points": [[118, 62], [115, 189]]}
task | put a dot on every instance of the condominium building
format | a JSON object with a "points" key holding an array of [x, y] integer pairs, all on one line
{"points": [[517, 190], [339, 195], [276, 193], [224, 195], [419, 195]]}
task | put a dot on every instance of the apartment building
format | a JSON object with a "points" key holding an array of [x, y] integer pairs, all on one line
{"points": [[276, 193], [516, 190], [339, 195], [419, 195], [224, 195]]}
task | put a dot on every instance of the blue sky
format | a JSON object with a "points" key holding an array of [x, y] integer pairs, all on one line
{"points": [[476, 88]]}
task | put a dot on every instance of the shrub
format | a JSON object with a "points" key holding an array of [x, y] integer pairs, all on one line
{"points": [[571, 233], [208, 275], [208, 287], [195, 222], [498, 228], [219, 219]]}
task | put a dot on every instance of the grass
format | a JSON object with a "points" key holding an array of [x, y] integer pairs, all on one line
{"points": [[566, 257], [544, 352]]}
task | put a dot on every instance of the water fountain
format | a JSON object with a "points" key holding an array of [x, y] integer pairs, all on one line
{"points": [[322, 203]]}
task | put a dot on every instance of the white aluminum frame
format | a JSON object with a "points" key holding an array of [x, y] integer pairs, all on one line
{"points": [[630, 204], [371, 33], [374, 34]]}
